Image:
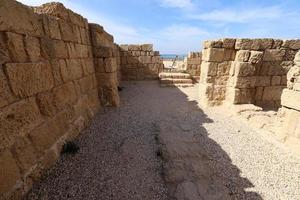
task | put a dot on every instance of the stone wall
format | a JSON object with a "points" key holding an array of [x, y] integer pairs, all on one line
{"points": [[107, 65], [290, 100], [140, 62], [217, 58], [48, 87], [193, 63], [241, 71]]}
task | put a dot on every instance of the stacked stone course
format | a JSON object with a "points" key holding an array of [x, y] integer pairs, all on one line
{"points": [[140, 62], [240, 71], [193, 64]]}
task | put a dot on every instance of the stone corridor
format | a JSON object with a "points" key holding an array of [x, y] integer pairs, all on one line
{"points": [[159, 144]]}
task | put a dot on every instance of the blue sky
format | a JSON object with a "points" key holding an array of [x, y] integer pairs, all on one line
{"points": [[179, 26]]}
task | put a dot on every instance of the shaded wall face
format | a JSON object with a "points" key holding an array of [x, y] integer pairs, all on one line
{"points": [[140, 62], [48, 89], [255, 74], [193, 63]]}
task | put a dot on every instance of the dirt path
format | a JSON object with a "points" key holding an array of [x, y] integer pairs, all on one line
{"points": [[205, 154]]}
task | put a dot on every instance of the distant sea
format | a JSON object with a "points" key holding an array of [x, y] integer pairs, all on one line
{"points": [[172, 56]]}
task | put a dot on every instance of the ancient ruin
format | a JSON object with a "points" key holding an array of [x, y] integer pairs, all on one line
{"points": [[57, 71]]}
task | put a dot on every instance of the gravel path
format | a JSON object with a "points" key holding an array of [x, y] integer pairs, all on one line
{"points": [[205, 154]]}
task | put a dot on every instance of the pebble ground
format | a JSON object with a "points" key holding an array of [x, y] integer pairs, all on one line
{"points": [[118, 154]]}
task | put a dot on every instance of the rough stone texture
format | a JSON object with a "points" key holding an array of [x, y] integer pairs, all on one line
{"points": [[257, 71], [193, 64], [140, 62]]}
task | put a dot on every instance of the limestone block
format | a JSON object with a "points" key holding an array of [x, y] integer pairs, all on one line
{"points": [[4, 53], [274, 55], [276, 80], [209, 68], [100, 65], [19, 18], [242, 55], [27, 79], [213, 54], [229, 54], [133, 60], [247, 44], [83, 50], [145, 59], [109, 79], [239, 96], [6, 95], [102, 52], [293, 44], [86, 84], [228, 43], [244, 69], [33, 48], [9, 172], [88, 66], [24, 152], [54, 30], [256, 57], [135, 53], [272, 93], [244, 82], [56, 70], [15, 45], [219, 93], [72, 70], [110, 65], [18, 119], [60, 49], [147, 47], [54, 9], [224, 68], [276, 68], [259, 93], [292, 123], [72, 51], [85, 38], [296, 87], [77, 34], [263, 81], [291, 99], [44, 136], [213, 44], [124, 47], [67, 33]]}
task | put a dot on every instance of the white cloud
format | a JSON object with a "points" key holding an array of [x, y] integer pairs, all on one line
{"points": [[241, 15], [177, 3]]}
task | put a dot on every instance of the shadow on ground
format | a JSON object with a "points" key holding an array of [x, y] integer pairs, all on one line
{"points": [[118, 154]]}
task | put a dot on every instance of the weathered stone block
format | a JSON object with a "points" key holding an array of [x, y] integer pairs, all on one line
{"points": [[88, 66], [9, 172], [247, 44], [259, 93], [6, 95], [54, 28], [274, 55], [256, 57], [110, 64], [85, 38], [60, 49], [291, 99], [18, 119], [242, 55], [244, 69], [83, 50], [27, 79], [72, 70], [244, 82], [16, 47], [263, 81], [102, 52], [44, 136], [213, 44], [72, 51], [67, 33], [272, 93], [297, 58], [23, 151], [213, 55], [133, 47], [228, 43], [86, 84], [229, 54], [266, 43], [209, 68], [33, 48], [276, 80], [224, 68]]}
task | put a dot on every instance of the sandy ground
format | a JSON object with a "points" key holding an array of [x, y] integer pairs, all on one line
{"points": [[205, 154]]}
